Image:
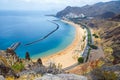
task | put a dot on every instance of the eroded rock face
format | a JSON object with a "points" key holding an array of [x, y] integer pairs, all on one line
{"points": [[62, 77]]}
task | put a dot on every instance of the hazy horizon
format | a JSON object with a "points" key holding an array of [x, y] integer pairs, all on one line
{"points": [[45, 5]]}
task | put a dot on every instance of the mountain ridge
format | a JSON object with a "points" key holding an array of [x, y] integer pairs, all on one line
{"points": [[92, 10]]}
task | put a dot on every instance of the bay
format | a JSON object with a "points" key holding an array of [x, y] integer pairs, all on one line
{"points": [[26, 27]]}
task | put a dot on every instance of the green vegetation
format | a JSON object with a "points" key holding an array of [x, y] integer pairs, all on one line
{"points": [[108, 50], [95, 35], [18, 67], [88, 54], [80, 59], [93, 46], [89, 35], [108, 53]]}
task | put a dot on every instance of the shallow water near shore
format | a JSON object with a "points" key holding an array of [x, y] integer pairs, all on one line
{"points": [[24, 27]]}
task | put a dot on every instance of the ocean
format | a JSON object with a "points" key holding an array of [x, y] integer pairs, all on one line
{"points": [[26, 27]]}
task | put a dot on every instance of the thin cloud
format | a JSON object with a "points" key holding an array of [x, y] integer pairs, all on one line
{"points": [[43, 4]]}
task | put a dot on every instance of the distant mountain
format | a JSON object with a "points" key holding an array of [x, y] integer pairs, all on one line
{"points": [[97, 10]]}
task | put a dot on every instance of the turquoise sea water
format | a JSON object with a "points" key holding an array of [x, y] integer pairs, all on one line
{"points": [[26, 27]]}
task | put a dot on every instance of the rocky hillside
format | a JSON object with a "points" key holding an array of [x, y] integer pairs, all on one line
{"points": [[14, 68], [97, 10], [109, 31]]}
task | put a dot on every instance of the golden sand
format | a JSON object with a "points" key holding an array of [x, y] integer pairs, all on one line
{"points": [[68, 56]]}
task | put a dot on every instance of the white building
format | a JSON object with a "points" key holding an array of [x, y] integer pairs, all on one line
{"points": [[73, 15]]}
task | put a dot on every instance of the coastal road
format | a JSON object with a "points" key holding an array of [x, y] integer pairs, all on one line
{"points": [[86, 49], [89, 41]]}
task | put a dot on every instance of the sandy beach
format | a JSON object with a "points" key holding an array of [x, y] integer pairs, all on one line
{"points": [[69, 55]]}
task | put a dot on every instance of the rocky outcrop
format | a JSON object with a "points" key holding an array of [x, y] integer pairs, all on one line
{"points": [[105, 73], [62, 77], [6, 71]]}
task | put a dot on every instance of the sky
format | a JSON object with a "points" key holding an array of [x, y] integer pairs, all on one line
{"points": [[44, 5]]}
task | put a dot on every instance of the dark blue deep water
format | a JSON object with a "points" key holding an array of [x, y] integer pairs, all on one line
{"points": [[26, 27]]}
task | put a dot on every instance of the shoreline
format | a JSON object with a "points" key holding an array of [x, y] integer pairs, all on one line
{"points": [[67, 56]]}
